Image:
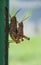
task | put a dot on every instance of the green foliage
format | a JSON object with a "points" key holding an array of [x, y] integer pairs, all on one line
{"points": [[26, 52]]}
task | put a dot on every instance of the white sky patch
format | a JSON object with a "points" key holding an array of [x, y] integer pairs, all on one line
{"points": [[28, 28], [13, 3]]}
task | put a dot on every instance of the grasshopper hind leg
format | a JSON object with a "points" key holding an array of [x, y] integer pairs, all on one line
{"points": [[14, 37]]}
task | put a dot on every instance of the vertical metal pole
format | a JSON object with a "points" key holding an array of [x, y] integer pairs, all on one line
{"points": [[1, 32], [7, 27]]}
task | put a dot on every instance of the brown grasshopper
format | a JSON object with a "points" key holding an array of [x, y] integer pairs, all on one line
{"points": [[13, 28], [17, 33], [21, 33]]}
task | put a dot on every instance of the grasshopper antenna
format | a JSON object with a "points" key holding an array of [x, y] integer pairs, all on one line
{"points": [[17, 12], [25, 18]]}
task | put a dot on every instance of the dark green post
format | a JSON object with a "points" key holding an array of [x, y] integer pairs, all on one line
{"points": [[1, 32], [7, 27], [3, 3]]}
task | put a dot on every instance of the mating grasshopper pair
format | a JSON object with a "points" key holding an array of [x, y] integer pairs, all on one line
{"points": [[17, 34]]}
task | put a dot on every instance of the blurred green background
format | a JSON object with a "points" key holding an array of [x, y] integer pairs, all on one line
{"points": [[26, 52]]}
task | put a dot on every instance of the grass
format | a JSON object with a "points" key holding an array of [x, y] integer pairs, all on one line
{"points": [[26, 52]]}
